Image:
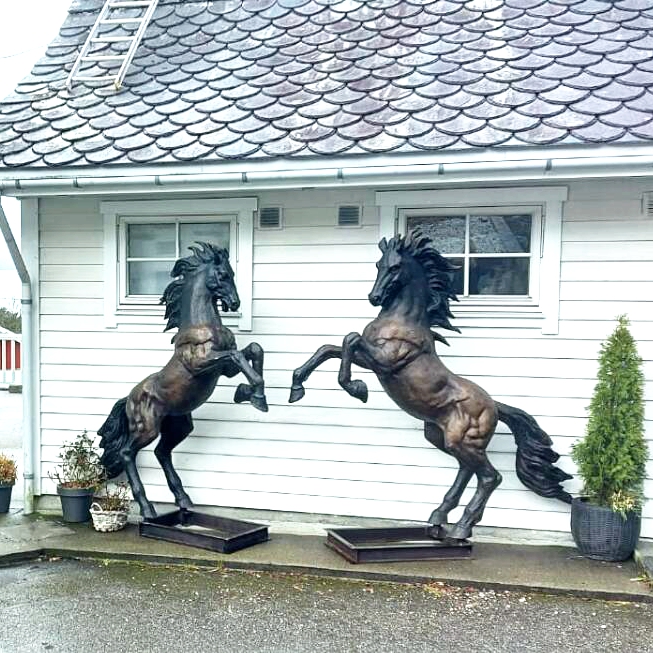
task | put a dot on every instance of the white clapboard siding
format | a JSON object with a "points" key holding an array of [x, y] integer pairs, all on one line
{"points": [[330, 453]]}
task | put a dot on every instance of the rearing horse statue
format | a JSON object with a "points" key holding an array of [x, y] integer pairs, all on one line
{"points": [[162, 403], [413, 288]]}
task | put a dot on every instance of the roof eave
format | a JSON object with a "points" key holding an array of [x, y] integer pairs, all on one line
{"points": [[473, 166]]}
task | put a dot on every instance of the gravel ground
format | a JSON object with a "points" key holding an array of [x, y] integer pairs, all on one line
{"points": [[68, 606]]}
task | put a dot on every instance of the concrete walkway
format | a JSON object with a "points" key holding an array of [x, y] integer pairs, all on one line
{"points": [[551, 569]]}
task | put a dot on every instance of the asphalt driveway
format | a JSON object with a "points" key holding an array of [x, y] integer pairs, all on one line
{"points": [[72, 606]]}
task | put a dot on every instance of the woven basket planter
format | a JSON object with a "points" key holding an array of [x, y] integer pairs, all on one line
{"points": [[601, 533], [107, 521]]}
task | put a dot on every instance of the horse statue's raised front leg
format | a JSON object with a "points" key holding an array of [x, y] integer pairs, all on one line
{"points": [[323, 354], [352, 346], [254, 391]]}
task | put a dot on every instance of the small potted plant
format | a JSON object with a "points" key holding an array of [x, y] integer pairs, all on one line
{"points": [[110, 510], [78, 476], [7, 481], [611, 458]]}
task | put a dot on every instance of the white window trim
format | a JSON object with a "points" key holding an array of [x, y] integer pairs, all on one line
{"points": [[239, 211], [392, 204]]}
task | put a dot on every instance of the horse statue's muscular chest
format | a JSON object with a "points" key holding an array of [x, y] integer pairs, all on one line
{"points": [[396, 342]]}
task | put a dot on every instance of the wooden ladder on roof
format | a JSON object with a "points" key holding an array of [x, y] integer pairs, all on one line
{"points": [[112, 14]]}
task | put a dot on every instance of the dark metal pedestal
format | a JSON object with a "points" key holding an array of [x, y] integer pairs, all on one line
{"points": [[204, 531], [396, 544]]}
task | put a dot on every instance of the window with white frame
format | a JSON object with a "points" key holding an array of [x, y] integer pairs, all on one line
{"points": [[505, 241], [149, 248], [496, 249], [143, 239]]}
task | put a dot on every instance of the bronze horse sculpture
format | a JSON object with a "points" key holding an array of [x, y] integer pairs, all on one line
{"points": [[413, 288], [205, 349]]}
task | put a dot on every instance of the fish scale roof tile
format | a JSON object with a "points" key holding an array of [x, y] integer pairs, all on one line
{"points": [[230, 79]]}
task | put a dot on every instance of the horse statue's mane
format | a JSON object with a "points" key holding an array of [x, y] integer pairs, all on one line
{"points": [[202, 255], [439, 274]]}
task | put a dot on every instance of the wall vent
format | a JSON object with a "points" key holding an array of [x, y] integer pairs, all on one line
{"points": [[349, 216], [647, 205], [269, 217]]}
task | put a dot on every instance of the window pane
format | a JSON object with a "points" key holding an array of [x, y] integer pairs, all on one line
{"points": [[458, 276], [497, 234], [447, 232], [216, 233], [148, 277], [151, 240], [498, 276]]}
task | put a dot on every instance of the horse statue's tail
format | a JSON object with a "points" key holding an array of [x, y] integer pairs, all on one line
{"points": [[535, 457], [115, 436]]}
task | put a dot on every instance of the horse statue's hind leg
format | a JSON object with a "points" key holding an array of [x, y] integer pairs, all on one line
{"points": [[464, 433], [174, 429]]}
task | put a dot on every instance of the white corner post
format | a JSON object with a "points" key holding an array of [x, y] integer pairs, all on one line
{"points": [[28, 372]]}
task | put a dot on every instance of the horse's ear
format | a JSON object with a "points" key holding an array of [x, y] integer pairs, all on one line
{"points": [[383, 244]]}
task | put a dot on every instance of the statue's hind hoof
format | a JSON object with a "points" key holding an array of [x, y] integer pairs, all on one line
{"points": [[243, 393], [459, 532], [437, 518], [259, 401], [296, 393], [148, 513]]}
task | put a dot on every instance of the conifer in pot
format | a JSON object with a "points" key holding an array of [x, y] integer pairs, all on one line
{"points": [[611, 458]]}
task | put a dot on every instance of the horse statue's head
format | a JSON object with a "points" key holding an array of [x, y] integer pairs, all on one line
{"points": [[208, 264], [396, 270]]}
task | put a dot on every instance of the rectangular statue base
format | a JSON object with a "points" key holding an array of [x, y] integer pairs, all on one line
{"points": [[396, 544], [204, 531]]}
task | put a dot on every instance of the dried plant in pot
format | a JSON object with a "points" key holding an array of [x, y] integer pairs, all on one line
{"points": [[7, 481], [109, 510], [611, 458], [78, 475]]}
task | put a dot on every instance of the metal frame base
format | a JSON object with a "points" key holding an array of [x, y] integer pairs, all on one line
{"points": [[396, 544], [204, 531]]}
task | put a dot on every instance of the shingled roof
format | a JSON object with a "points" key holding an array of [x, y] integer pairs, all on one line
{"points": [[235, 79]]}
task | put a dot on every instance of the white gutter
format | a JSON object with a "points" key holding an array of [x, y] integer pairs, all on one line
{"points": [[27, 364], [280, 174]]}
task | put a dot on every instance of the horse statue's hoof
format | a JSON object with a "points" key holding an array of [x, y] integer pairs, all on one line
{"points": [[259, 401], [243, 393], [459, 533], [148, 513], [358, 390], [296, 393]]}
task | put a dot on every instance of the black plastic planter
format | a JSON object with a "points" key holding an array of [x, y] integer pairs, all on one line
{"points": [[602, 534], [76, 503], [5, 497]]}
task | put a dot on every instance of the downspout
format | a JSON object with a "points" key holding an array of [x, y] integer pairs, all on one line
{"points": [[27, 358]]}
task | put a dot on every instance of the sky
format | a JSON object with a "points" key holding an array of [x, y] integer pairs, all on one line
{"points": [[27, 28]]}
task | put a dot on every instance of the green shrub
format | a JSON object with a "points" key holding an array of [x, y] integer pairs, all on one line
{"points": [[612, 456], [79, 465]]}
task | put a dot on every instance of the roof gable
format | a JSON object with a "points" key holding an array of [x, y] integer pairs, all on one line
{"points": [[232, 79]]}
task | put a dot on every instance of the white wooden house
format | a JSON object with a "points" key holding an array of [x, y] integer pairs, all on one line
{"points": [[299, 133]]}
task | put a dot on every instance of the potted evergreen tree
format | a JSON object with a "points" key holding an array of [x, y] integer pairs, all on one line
{"points": [[7, 481], [78, 476], [611, 458]]}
